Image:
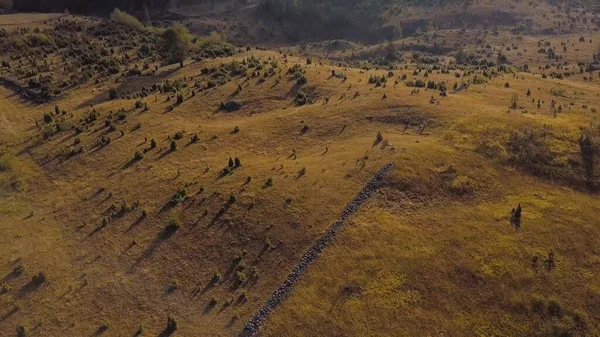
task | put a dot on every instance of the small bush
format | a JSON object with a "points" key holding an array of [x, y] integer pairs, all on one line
{"points": [[269, 182], [231, 106], [216, 277], [171, 324], [152, 143], [48, 118], [138, 156], [241, 277], [173, 145], [39, 278], [514, 101], [173, 225], [179, 196], [113, 94]]}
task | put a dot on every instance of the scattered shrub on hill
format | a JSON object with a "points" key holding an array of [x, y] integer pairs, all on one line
{"points": [[231, 106], [138, 156], [590, 150], [39, 278], [113, 94], [213, 45], [515, 214], [48, 118], [529, 149], [127, 20], [173, 145], [173, 225], [171, 324], [179, 196], [301, 98], [514, 101], [216, 277]]}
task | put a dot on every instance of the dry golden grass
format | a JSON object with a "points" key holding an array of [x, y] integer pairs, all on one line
{"points": [[417, 261], [434, 252]]}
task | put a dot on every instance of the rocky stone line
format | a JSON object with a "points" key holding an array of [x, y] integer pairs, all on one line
{"points": [[251, 329]]}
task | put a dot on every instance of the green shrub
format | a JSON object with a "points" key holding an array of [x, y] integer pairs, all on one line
{"points": [[138, 155], [127, 20], [179, 196], [173, 145]]}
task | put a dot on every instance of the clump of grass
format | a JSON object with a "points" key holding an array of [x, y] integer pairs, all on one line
{"points": [[179, 196]]}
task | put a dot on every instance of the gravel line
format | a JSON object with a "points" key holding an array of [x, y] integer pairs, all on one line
{"points": [[251, 329]]}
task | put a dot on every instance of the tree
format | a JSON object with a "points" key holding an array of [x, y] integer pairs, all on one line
{"points": [[589, 152], [6, 4], [146, 15], [514, 101], [176, 44], [460, 56], [113, 94]]}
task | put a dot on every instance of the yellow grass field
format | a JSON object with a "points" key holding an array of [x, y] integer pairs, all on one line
{"points": [[433, 253]]}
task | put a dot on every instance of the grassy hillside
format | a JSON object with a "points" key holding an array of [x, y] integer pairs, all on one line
{"points": [[139, 193]]}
